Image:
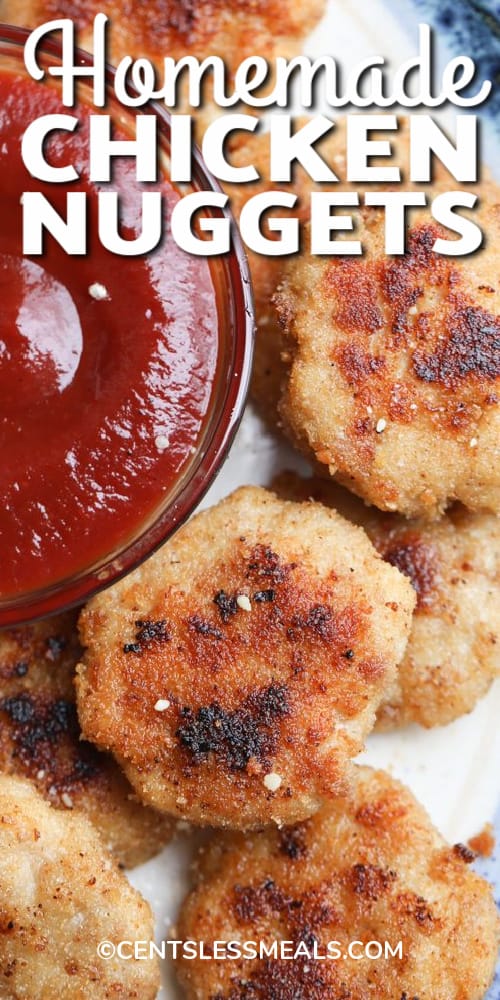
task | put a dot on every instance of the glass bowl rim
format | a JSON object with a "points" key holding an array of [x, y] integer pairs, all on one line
{"points": [[224, 419]]}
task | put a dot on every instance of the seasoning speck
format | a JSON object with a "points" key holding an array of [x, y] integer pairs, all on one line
{"points": [[272, 781], [243, 602], [67, 800], [381, 425], [473, 442], [161, 705], [413, 310], [98, 292], [162, 442]]}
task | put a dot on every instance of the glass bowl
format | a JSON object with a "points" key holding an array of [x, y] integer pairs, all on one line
{"points": [[231, 279]]}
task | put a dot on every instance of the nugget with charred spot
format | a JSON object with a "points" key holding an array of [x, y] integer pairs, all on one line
{"points": [[272, 358], [40, 739], [394, 366], [453, 653], [370, 868], [61, 895], [235, 673], [179, 28]]}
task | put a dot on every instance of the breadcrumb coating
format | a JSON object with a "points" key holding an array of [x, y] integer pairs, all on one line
{"points": [[368, 868], [40, 739], [236, 673], [272, 357], [453, 653], [178, 28], [394, 370]]}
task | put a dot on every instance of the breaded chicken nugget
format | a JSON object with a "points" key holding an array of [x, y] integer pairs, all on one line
{"points": [[271, 356], [453, 653], [61, 894], [394, 373], [40, 739], [236, 673], [367, 869], [177, 28]]}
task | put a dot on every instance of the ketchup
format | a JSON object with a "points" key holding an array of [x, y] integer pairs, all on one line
{"points": [[107, 366]]}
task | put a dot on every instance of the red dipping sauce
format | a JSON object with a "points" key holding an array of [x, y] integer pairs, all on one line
{"points": [[107, 366]]}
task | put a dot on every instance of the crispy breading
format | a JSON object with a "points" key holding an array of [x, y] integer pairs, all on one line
{"points": [[177, 28], [40, 739], [271, 360], [61, 894], [394, 371], [453, 653], [370, 868], [236, 672]]}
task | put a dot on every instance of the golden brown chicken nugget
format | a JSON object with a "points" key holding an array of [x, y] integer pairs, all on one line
{"points": [[272, 359], [61, 895], [367, 869], [40, 739], [394, 373], [453, 653], [178, 28], [236, 672], [269, 367]]}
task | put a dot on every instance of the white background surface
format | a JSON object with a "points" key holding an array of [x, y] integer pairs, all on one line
{"points": [[455, 770]]}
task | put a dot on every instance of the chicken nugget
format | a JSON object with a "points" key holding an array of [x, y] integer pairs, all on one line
{"points": [[40, 739], [61, 895], [453, 653], [394, 372], [235, 673], [177, 28], [364, 877], [271, 359]]}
